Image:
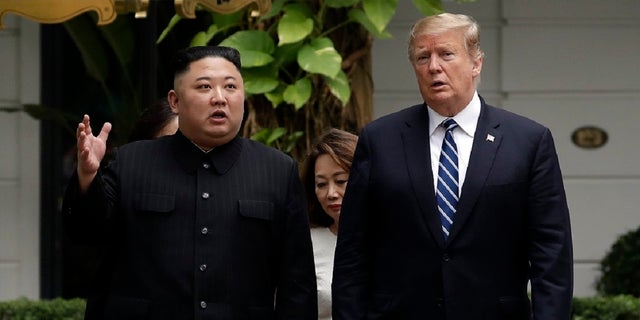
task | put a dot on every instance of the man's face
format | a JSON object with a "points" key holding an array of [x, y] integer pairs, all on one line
{"points": [[209, 99], [445, 72]]}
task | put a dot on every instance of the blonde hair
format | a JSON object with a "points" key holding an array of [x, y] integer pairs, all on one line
{"points": [[445, 22]]}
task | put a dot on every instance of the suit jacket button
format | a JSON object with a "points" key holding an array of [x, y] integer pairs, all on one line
{"points": [[203, 267], [205, 195], [203, 305], [446, 258]]}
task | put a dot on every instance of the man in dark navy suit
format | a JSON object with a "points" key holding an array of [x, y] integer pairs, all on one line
{"points": [[457, 234], [202, 224]]}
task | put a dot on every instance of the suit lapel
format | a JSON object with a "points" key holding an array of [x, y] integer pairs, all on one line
{"points": [[485, 146], [415, 137]]}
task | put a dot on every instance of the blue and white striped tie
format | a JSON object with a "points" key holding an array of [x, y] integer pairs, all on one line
{"points": [[447, 186]]}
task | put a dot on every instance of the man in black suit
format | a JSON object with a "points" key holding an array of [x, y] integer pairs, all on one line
{"points": [[202, 224], [459, 240]]}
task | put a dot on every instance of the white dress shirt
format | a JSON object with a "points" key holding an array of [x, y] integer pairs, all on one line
{"points": [[467, 121], [324, 247]]}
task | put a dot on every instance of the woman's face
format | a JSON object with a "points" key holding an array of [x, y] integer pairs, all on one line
{"points": [[330, 184]]}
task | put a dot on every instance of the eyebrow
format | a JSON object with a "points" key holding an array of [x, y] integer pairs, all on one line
{"points": [[332, 175], [209, 78]]}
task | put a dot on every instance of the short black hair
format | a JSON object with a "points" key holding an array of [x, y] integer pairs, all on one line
{"points": [[186, 56]]}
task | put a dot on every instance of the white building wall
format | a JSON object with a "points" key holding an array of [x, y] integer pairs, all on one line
{"points": [[565, 64], [19, 161]]}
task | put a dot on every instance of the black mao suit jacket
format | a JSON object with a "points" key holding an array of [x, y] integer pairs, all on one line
{"points": [[512, 225], [190, 235]]}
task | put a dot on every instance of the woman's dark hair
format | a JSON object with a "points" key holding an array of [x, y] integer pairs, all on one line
{"points": [[340, 146], [186, 56], [152, 119]]}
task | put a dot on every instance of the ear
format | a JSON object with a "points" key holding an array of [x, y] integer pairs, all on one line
{"points": [[477, 67], [172, 97]]}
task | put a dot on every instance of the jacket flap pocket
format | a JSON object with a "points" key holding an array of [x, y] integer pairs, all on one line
{"points": [[151, 202], [256, 209]]}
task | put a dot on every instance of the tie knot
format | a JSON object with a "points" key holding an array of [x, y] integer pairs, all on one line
{"points": [[449, 124]]}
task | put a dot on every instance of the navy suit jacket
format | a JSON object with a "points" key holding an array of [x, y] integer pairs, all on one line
{"points": [[511, 226], [189, 235]]}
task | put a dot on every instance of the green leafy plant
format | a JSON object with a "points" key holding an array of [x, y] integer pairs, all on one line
{"points": [[621, 266], [306, 64], [56, 309], [619, 307]]}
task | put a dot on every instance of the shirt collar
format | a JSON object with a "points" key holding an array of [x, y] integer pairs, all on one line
{"points": [[467, 119], [190, 156]]}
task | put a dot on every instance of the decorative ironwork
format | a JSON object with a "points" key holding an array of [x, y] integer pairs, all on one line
{"points": [[187, 8], [57, 11]]}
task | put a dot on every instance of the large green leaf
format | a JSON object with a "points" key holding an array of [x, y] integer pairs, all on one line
{"points": [[202, 38], [255, 40], [340, 3], [362, 18], [275, 134], [298, 93], [269, 136], [172, 23], [250, 58], [429, 7], [262, 135], [286, 54], [259, 80], [339, 86], [275, 96], [295, 25], [380, 12], [320, 57], [259, 85], [255, 47]]}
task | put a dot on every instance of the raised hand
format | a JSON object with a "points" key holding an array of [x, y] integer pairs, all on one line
{"points": [[91, 151]]}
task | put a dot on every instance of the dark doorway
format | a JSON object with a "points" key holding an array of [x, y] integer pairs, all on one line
{"points": [[69, 91]]}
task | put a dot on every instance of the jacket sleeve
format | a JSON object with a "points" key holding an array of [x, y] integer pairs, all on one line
{"points": [[87, 217], [296, 295], [351, 264], [550, 247]]}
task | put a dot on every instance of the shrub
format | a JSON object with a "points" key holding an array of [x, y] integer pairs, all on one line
{"points": [[621, 267], [620, 307], [56, 309]]}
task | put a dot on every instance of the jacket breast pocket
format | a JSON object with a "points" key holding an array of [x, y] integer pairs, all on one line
{"points": [[262, 210], [254, 227], [150, 203]]}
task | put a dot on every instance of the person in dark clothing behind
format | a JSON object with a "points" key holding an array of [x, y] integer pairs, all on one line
{"points": [[155, 121]]}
